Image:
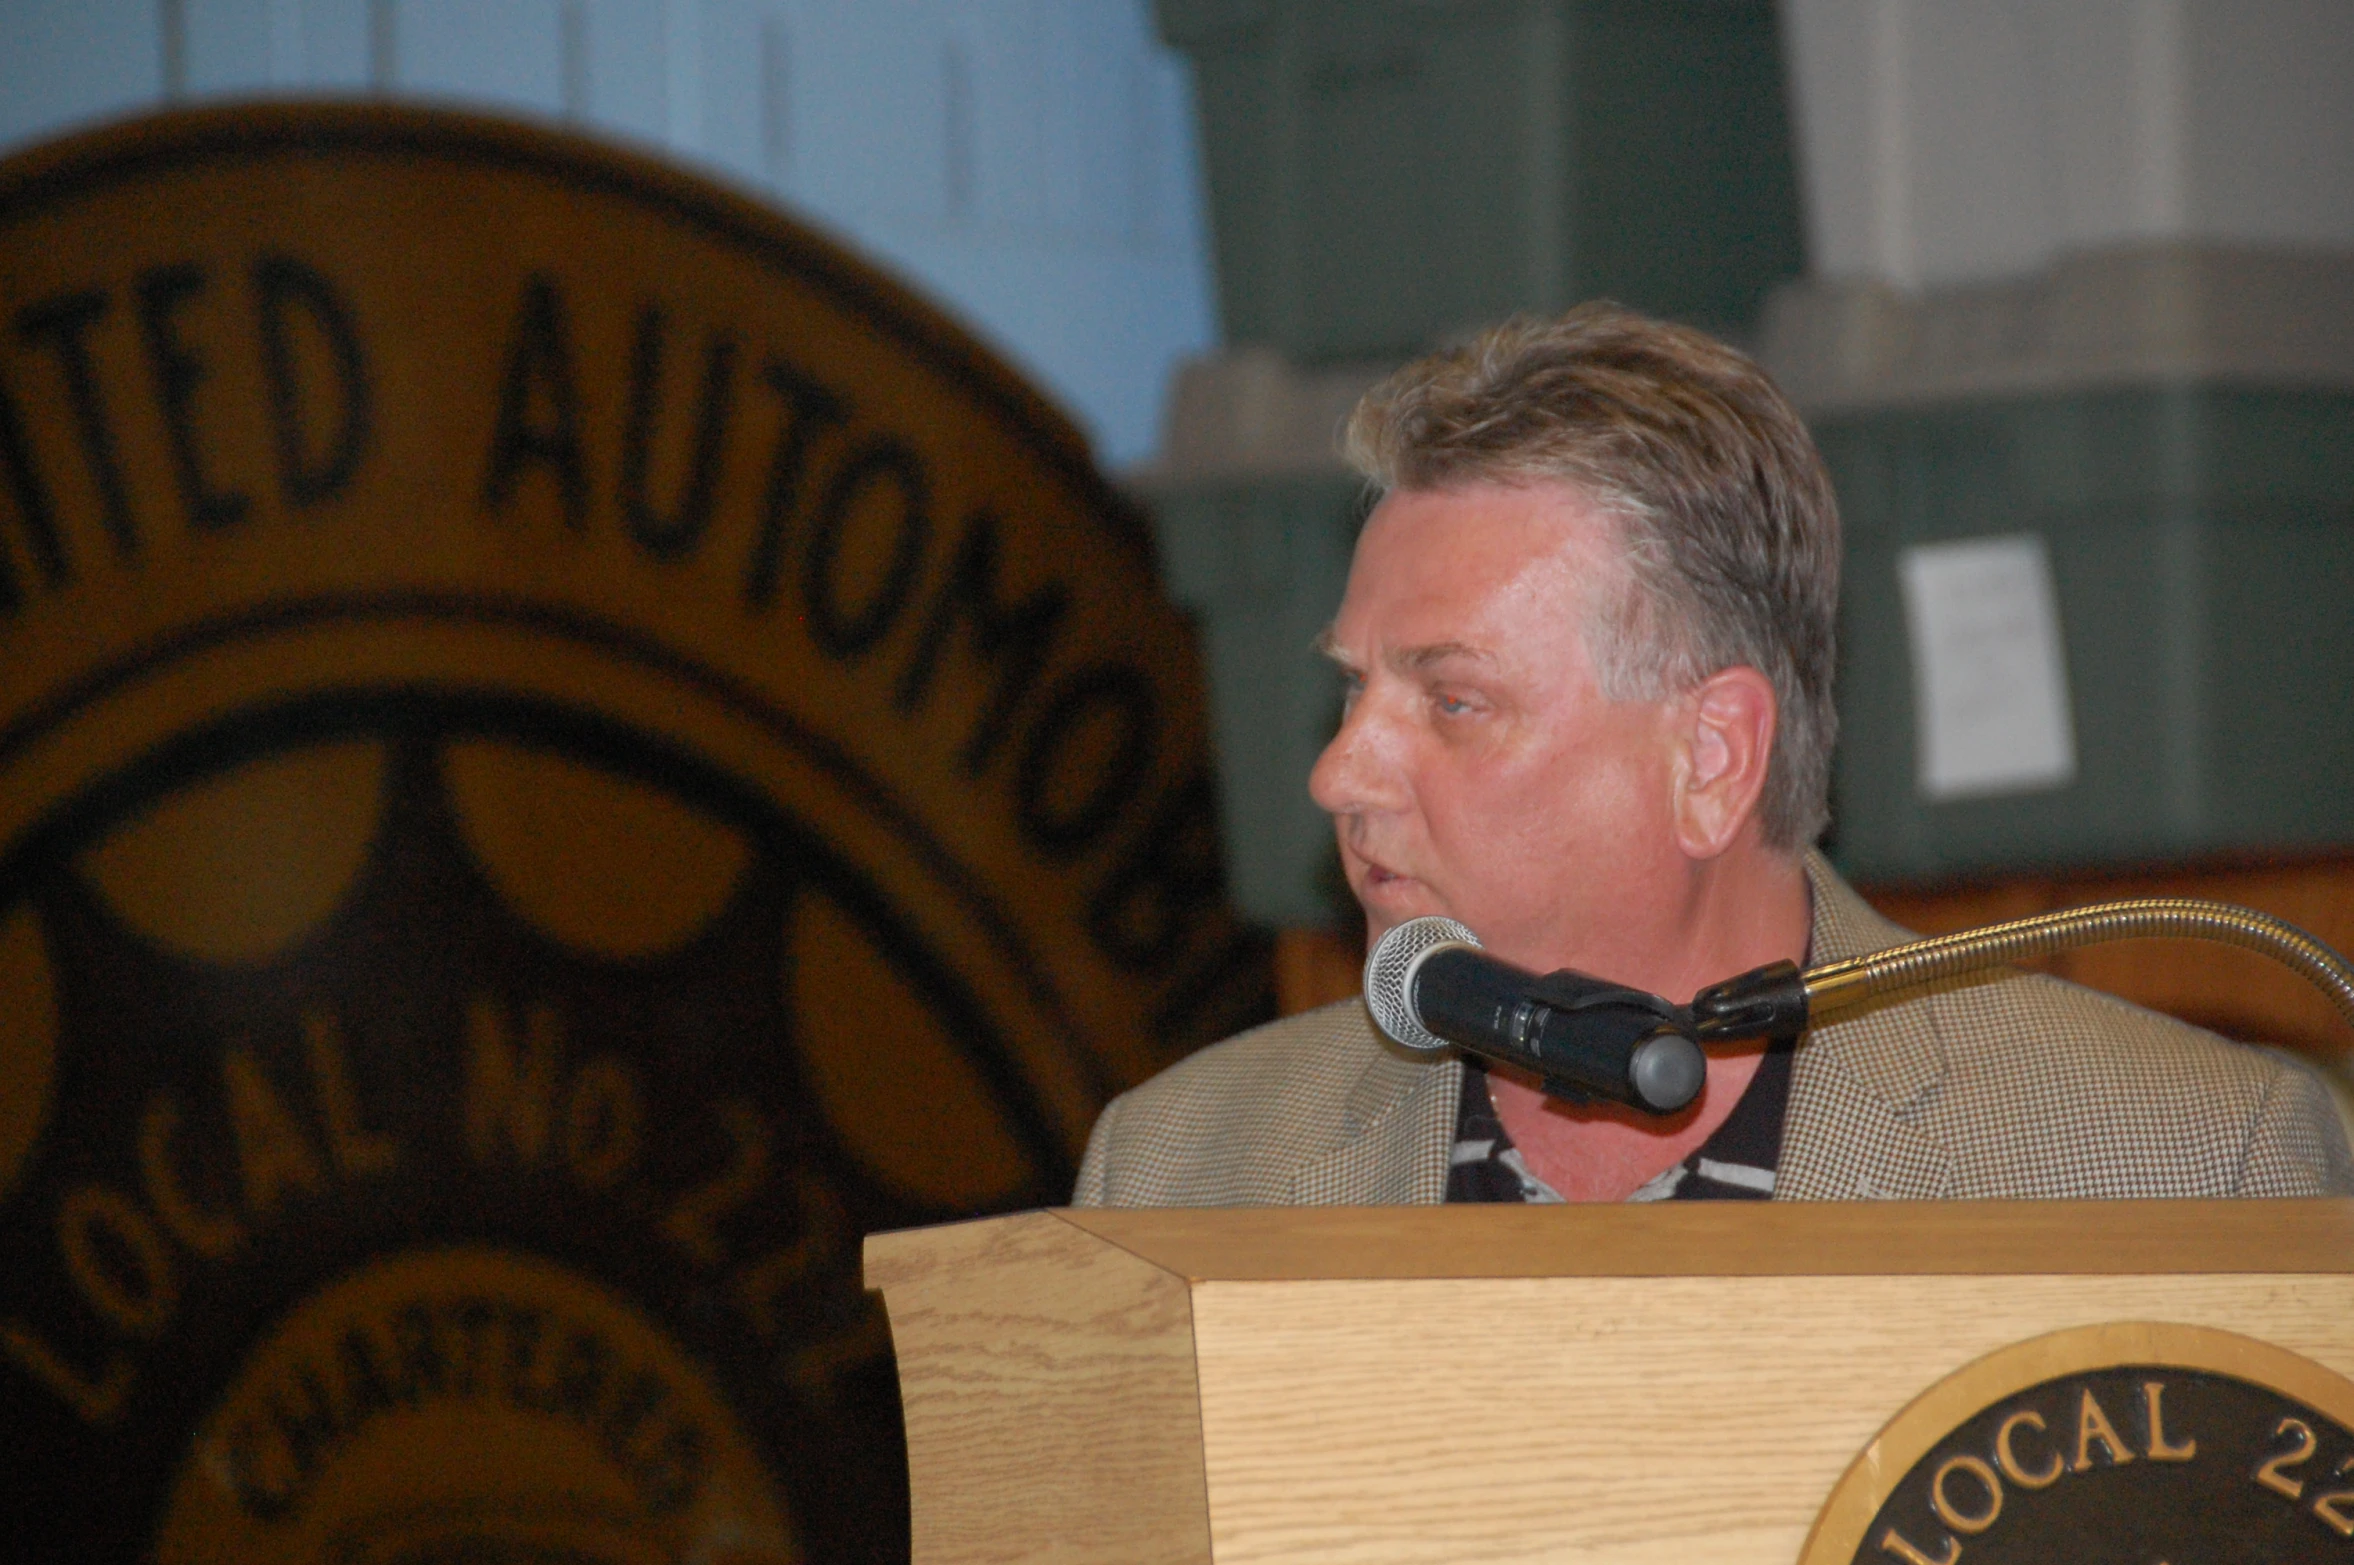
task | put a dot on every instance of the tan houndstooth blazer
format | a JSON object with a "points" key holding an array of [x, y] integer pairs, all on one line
{"points": [[2021, 1086]]}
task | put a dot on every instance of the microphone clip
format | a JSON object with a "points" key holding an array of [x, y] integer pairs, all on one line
{"points": [[1765, 1002], [1591, 1041]]}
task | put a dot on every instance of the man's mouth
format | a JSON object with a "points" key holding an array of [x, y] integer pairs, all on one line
{"points": [[1376, 878]]}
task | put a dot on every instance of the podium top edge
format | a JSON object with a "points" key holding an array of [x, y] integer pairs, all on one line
{"points": [[1739, 1239]]}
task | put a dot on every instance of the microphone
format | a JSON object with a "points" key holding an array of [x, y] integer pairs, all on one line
{"points": [[1428, 984]]}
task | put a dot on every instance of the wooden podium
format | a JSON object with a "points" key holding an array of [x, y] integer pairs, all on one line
{"points": [[1680, 1383]]}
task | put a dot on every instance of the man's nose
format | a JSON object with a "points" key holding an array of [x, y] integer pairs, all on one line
{"points": [[1357, 773]]}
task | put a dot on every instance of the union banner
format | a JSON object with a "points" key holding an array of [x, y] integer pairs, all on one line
{"points": [[567, 749]]}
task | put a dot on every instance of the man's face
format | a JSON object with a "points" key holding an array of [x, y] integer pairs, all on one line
{"points": [[1479, 770]]}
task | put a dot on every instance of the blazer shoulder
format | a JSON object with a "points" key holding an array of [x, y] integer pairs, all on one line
{"points": [[1229, 1125], [2067, 1091]]}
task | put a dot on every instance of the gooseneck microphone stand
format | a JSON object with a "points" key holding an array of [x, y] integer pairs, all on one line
{"points": [[1428, 985], [1780, 1000]]}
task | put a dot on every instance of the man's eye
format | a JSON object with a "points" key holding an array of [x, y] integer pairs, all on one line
{"points": [[1452, 706]]}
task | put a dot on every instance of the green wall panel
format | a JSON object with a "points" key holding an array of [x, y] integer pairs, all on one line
{"points": [[1387, 172], [1263, 563], [2202, 548]]}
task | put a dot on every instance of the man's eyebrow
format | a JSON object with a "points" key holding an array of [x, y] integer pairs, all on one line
{"points": [[1416, 660], [1409, 660]]}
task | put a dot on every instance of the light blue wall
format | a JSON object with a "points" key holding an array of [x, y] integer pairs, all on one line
{"points": [[1029, 163]]}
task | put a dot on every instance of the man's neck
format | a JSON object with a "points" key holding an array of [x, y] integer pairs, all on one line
{"points": [[1745, 911], [1755, 911]]}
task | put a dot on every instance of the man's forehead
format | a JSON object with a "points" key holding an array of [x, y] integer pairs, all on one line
{"points": [[1484, 530], [1464, 574]]}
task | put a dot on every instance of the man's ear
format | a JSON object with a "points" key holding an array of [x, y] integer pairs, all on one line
{"points": [[1726, 742]]}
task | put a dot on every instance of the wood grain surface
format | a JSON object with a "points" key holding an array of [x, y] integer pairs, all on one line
{"points": [[1738, 1238], [1632, 1385], [1639, 1421], [1048, 1382]]}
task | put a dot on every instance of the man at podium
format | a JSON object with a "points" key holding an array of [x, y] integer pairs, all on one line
{"points": [[1588, 645]]}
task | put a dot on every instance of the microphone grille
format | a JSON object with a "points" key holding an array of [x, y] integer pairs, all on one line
{"points": [[1389, 976]]}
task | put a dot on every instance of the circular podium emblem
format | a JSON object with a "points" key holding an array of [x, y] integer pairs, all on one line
{"points": [[566, 750], [2127, 1444]]}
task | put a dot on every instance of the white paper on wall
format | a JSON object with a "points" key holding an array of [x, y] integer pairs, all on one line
{"points": [[1990, 681]]}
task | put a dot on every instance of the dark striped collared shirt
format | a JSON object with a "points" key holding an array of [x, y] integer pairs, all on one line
{"points": [[1736, 1163]]}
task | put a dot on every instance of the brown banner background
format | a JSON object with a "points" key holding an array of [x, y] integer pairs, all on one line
{"points": [[566, 749]]}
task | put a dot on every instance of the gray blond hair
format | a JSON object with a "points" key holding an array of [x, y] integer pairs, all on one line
{"points": [[1729, 525]]}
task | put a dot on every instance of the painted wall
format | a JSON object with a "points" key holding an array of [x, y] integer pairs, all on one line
{"points": [[1030, 163], [1959, 141]]}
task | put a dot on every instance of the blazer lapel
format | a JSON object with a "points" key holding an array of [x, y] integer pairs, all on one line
{"points": [[1397, 1131], [1857, 1087]]}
